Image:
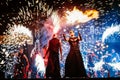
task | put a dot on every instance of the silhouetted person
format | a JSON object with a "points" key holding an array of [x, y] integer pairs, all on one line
{"points": [[21, 68], [53, 66]]}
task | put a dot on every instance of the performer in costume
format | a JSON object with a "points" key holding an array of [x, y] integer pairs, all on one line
{"points": [[53, 66], [74, 66], [21, 68]]}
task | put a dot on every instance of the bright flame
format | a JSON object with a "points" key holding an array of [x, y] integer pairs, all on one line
{"points": [[55, 21], [77, 16]]}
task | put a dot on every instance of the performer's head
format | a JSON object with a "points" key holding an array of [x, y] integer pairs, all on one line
{"points": [[54, 35], [71, 33], [21, 50]]}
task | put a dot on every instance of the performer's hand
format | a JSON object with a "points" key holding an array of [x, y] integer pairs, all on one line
{"points": [[27, 68], [63, 35], [44, 57], [79, 34], [61, 58]]}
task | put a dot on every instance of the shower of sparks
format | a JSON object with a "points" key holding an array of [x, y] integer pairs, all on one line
{"points": [[26, 12], [18, 34], [21, 29], [72, 18], [39, 63]]}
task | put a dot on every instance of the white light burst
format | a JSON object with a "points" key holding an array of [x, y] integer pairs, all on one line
{"points": [[18, 34], [22, 30], [109, 31], [39, 63]]}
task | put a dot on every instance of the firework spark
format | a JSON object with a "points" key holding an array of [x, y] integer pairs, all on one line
{"points": [[18, 34]]}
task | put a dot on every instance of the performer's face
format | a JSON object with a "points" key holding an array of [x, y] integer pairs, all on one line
{"points": [[21, 51], [55, 35], [71, 33]]}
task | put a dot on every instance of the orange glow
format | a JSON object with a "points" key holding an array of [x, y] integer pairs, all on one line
{"points": [[77, 16], [71, 18]]}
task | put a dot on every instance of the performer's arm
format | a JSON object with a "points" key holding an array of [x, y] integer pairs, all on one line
{"points": [[27, 66], [66, 39], [60, 51], [79, 36], [47, 51]]}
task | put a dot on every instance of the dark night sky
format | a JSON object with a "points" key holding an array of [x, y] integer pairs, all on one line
{"points": [[10, 8]]}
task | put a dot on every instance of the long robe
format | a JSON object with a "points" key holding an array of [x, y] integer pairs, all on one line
{"points": [[74, 66]]}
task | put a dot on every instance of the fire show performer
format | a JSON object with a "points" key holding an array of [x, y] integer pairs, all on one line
{"points": [[22, 67], [53, 66], [74, 66]]}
